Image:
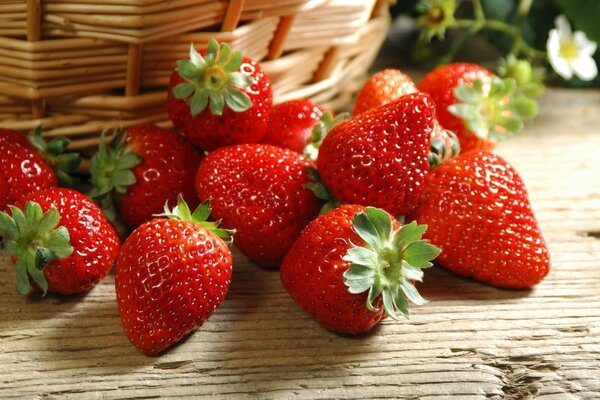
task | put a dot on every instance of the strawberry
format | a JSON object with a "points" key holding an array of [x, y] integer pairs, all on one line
{"points": [[143, 168], [478, 106], [353, 266], [171, 275], [59, 239], [29, 164], [382, 88], [380, 157], [259, 190], [236, 90], [478, 212], [291, 124]]}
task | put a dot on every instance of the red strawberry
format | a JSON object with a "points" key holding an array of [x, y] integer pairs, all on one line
{"points": [[478, 106], [354, 265], [478, 212], [144, 168], [219, 98], [28, 162], [291, 124], [171, 275], [259, 190], [382, 88], [59, 239], [380, 157]]}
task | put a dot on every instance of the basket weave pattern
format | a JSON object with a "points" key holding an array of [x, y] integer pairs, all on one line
{"points": [[77, 67]]}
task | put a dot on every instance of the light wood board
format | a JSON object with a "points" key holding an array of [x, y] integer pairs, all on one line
{"points": [[471, 341]]}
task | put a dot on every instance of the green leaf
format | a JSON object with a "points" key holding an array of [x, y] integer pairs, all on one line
{"points": [[401, 303], [211, 51], [33, 212], [183, 90], [361, 256], [239, 80], [419, 253], [128, 161], [18, 217], [234, 63], [408, 234], [38, 276], [8, 227], [49, 220], [224, 53], [23, 286], [374, 292], [388, 305], [464, 111], [202, 212], [525, 107], [411, 293], [199, 101], [58, 242], [217, 103], [381, 221], [237, 100], [465, 93], [584, 15], [196, 58], [123, 178], [411, 273], [366, 230], [188, 70]]}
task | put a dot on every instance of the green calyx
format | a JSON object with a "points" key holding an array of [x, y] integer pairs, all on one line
{"points": [[111, 170], [213, 80], [200, 216], [53, 153], [444, 146], [388, 262], [529, 80], [436, 17], [320, 191], [33, 238], [325, 124], [495, 111]]}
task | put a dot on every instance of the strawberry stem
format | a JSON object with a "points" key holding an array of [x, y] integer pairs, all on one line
{"points": [[388, 262], [33, 238], [213, 80], [53, 153], [200, 216]]}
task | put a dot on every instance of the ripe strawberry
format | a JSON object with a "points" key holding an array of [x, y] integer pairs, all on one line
{"points": [[171, 275], [380, 157], [382, 88], [59, 239], [478, 212], [259, 190], [354, 265], [143, 168], [28, 163], [479, 107], [236, 90], [291, 124]]}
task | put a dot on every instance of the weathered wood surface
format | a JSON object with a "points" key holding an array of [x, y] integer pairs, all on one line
{"points": [[471, 341]]}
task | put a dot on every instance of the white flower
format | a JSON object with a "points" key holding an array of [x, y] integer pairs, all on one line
{"points": [[571, 53]]}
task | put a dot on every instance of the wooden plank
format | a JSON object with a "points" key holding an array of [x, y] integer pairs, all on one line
{"points": [[470, 342]]}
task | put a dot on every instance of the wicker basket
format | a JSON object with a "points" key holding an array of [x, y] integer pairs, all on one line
{"points": [[80, 66]]}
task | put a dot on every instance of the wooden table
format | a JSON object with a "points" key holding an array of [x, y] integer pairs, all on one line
{"points": [[470, 341]]}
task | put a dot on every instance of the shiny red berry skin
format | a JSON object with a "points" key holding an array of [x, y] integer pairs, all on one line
{"points": [[291, 124], [258, 190], [22, 170], [208, 131], [382, 88], [380, 157], [312, 273], [169, 163], [94, 240], [170, 277], [477, 210], [440, 84]]}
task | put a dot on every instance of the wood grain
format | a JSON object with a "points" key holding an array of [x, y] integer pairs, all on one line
{"points": [[470, 342]]}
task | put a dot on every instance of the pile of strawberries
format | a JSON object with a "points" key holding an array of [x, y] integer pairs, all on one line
{"points": [[352, 209]]}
